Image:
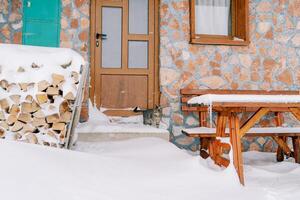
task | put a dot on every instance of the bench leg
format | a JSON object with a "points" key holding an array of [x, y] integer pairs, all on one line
{"points": [[296, 146], [204, 145], [235, 139], [280, 153]]}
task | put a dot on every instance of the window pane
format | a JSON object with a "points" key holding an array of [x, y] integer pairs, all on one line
{"points": [[213, 17], [138, 16], [138, 54], [112, 46]]}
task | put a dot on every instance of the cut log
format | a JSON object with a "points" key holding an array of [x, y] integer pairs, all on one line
{"points": [[64, 107], [38, 122], [11, 120], [52, 144], [26, 107], [29, 98], [24, 86], [65, 117], [12, 86], [52, 91], [46, 143], [42, 86], [35, 66], [17, 126], [21, 69], [14, 110], [69, 96], [59, 126], [31, 138], [75, 77], [27, 128], [52, 118], [42, 98], [52, 134], [4, 105], [2, 133], [4, 125], [39, 114], [18, 136], [4, 84], [57, 79], [30, 107], [65, 66], [2, 116], [15, 99], [24, 117]]}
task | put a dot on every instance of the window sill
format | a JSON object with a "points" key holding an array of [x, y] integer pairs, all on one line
{"points": [[219, 41]]}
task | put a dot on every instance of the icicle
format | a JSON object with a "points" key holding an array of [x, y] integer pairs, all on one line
{"points": [[210, 111]]}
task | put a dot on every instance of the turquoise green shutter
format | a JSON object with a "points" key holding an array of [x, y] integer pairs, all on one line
{"points": [[41, 22]]}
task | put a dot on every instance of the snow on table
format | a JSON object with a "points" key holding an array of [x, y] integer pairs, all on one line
{"points": [[29, 65], [262, 130], [209, 99]]}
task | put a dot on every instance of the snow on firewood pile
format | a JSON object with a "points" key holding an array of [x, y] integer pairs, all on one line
{"points": [[38, 87]]}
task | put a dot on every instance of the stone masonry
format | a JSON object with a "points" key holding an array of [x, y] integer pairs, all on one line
{"points": [[271, 61], [11, 21]]}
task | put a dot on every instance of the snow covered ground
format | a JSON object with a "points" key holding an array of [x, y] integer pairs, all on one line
{"points": [[137, 169]]}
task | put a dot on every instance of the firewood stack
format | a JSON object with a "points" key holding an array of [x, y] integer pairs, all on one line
{"points": [[38, 112]]}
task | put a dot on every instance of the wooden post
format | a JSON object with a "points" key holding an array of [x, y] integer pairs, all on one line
{"points": [[296, 145], [235, 139], [204, 142], [280, 152]]}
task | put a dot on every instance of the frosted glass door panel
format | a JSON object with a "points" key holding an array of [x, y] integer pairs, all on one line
{"points": [[138, 16], [112, 45], [138, 54]]}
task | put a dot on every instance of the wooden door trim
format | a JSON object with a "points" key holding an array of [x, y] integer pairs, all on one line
{"points": [[93, 70]]}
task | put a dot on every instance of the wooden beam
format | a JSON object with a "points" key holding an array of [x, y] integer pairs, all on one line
{"points": [[295, 112], [252, 120], [221, 124], [282, 144], [235, 139]]}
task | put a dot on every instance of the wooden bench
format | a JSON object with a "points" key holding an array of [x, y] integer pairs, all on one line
{"points": [[208, 135]]}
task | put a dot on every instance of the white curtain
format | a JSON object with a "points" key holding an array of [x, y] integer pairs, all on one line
{"points": [[212, 17]]}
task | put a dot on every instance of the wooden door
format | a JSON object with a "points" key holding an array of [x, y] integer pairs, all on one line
{"points": [[124, 71]]}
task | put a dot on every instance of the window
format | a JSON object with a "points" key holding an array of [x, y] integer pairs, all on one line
{"points": [[219, 22]]}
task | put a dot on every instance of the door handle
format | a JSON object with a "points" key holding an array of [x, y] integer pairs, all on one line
{"points": [[101, 36]]}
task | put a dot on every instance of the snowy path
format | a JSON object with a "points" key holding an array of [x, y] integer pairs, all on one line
{"points": [[138, 169]]}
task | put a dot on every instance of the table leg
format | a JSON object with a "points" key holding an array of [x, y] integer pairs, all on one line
{"points": [[235, 139], [221, 124], [296, 146], [204, 142], [280, 152]]}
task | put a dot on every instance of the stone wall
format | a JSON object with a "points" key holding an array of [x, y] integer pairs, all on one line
{"points": [[271, 61], [10, 21], [75, 24]]}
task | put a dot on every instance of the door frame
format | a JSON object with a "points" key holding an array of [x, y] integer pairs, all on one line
{"points": [[156, 96]]}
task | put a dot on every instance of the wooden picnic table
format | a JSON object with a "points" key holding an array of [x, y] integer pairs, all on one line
{"points": [[228, 112]]}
